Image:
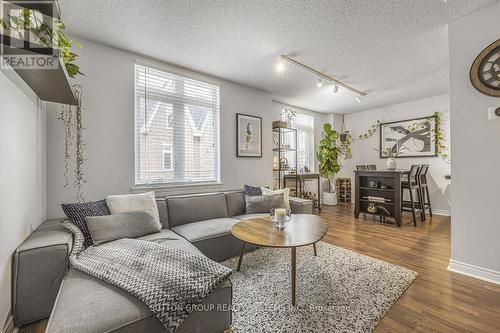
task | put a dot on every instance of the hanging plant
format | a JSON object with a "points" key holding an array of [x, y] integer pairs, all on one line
{"points": [[439, 137], [47, 35], [71, 116], [345, 146], [370, 131]]}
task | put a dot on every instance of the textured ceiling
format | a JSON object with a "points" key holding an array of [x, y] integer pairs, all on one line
{"points": [[396, 50]]}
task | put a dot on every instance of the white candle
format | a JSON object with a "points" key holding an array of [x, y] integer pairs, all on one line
{"points": [[280, 214]]}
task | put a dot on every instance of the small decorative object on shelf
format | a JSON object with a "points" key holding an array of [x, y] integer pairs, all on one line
{"points": [[344, 190], [280, 217], [371, 208], [373, 184]]}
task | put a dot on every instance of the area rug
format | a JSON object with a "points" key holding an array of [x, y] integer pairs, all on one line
{"points": [[337, 291]]}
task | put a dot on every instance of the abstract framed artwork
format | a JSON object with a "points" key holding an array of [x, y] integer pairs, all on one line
{"points": [[411, 138], [248, 135]]}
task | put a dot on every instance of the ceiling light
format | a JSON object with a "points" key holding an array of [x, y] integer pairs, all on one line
{"points": [[320, 83], [358, 99], [335, 88], [279, 67]]}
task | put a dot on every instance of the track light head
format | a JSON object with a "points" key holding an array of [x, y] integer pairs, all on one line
{"points": [[320, 83], [358, 99], [335, 88]]}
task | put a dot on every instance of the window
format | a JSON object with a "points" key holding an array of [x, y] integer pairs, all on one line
{"points": [[304, 124], [176, 128], [167, 157]]}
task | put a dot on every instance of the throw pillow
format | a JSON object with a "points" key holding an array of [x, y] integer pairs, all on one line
{"points": [[77, 212], [263, 203], [252, 190], [284, 191], [108, 228], [144, 202]]}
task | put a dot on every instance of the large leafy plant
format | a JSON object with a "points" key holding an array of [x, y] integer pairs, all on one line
{"points": [[328, 153], [47, 35]]}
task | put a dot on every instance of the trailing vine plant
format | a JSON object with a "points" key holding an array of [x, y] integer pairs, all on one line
{"points": [[71, 116], [439, 137], [370, 131], [47, 35]]}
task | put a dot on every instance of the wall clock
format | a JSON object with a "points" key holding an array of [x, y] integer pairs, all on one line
{"points": [[485, 71]]}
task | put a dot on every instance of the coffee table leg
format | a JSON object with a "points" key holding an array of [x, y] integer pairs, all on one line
{"points": [[294, 273], [241, 256], [315, 252]]}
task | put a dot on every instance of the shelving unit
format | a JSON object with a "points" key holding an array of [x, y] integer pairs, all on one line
{"points": [[343, 186], [284, 156], [51, 83], [373, 186]]}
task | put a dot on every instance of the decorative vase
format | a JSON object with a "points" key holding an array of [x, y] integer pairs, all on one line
{"points": [[391, 164], [330, 199]]}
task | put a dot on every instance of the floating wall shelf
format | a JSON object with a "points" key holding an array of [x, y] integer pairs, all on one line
{"points": [[52, 83]]}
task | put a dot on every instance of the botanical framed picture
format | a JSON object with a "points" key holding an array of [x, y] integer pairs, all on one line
{"points": [[248, 135], [411, 138]]}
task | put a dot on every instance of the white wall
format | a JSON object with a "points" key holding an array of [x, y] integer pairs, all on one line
{"points": [[22, 172], [475, 234], [108, 117], [364, 149]]}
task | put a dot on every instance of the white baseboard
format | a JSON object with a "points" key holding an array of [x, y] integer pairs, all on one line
{"points": [[441, 212], [474, 271], [8, 326]]}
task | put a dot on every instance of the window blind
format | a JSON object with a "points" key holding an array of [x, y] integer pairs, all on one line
{"points": [[176, 128], [304, 124]]}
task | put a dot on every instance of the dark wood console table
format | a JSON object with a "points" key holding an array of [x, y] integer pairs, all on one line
{"points": [[381, 184]]}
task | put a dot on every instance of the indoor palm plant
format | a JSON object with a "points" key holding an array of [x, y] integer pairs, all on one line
{"points": [[327, 154]]}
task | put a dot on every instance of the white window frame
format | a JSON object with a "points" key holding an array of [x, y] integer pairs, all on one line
{"points": [[140, 186]]}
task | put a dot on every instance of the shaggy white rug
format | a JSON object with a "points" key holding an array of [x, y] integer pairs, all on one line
{"points": [[337, 291]]}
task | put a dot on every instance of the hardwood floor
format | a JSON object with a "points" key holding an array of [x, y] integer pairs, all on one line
{"points": [[437, 301]]}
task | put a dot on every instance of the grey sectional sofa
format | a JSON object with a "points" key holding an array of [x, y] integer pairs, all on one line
{"points": [[44, 285]]}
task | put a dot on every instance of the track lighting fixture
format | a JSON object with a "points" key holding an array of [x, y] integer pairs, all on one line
{"points": [[335, 88], [358, 99], [320, 83]]}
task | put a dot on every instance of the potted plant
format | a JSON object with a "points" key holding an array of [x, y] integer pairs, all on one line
{"points": [[287, 116], [327, 154], [391, 153]]}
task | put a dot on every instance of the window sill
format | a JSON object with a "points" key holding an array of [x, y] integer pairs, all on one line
{"points": [[161, 188]]}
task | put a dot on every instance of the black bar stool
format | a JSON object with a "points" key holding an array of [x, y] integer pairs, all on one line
{"points": [[424, 190], [361, 167], [412, 185], [371, 167]]}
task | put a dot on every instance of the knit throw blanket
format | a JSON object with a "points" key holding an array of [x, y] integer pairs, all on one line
{"points": [[168, 280]]}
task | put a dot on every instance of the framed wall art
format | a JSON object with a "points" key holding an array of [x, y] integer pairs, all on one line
{"points": [[410, 138], [248, 135]]}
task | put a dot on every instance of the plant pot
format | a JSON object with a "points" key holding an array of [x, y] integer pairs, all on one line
{"points": [[330, 199], [344, 136], [391, 164]]}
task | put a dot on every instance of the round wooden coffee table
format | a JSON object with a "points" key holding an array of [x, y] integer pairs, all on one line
{"points": [[302, 230]]}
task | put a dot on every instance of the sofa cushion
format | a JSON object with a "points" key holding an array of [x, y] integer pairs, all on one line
{"points": [[235, 203], [108, 228], [77, 212], [250, 216], [263, 203], [170, 238], [198, 231], [144, 202], [188, 209], [87, 304]]}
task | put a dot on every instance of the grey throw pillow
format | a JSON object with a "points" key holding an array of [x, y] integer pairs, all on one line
{"points": [[108, 228], [252, 190], [263, 203]]}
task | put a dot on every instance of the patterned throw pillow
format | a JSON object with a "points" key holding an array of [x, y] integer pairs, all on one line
{"points": [[77, 212], [252, 190]]}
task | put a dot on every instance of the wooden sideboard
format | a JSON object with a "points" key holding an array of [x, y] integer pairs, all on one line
{"points": [[372, 186]]}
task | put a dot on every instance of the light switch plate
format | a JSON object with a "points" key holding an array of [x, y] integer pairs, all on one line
{"points": [[491, 113]]}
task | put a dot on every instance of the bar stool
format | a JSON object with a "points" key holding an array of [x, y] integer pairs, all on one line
{"points": [[412, 185], [371, 167], [361, 167], [424, 190]]}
